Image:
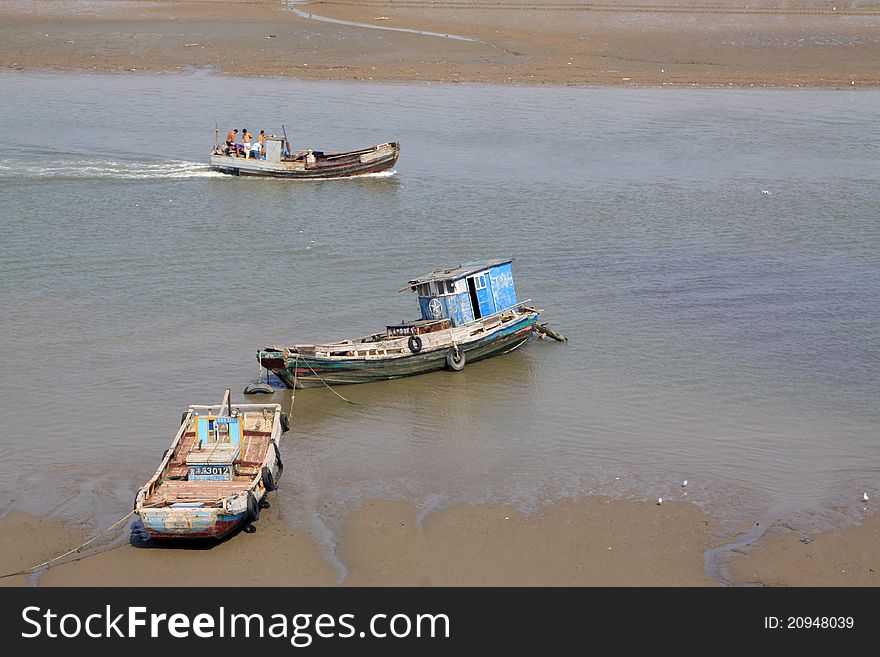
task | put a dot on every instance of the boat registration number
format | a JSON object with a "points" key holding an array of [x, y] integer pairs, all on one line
{"points": [[208, 470]]}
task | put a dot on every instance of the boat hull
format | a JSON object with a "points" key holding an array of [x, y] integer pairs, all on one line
{"points": [[310, 371], [335, 165], [190, 523]]}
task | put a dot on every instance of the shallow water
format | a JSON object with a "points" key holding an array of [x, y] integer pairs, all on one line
{"points": [[718, 333]]}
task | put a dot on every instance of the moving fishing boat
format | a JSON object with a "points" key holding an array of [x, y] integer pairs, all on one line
{"points": [[221, 465], [468, 313], [279, 162]]}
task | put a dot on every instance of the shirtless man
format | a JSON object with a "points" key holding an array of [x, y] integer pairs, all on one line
{"points": [[245, 142], [230, 141], [257, 147]]}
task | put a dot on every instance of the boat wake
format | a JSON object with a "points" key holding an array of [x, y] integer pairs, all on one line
{"points": [[107, 169], [379, 174]]}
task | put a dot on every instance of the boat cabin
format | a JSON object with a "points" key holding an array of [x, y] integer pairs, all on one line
{"points": [[217, 446], [466, 293], [274, 148]]}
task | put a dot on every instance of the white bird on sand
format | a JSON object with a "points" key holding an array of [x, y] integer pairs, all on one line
{"points": [[684, 483], [865, 497], [659, 501]]}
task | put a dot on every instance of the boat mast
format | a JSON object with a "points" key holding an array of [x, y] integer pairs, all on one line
{"points": [[227, 402], [286, 143]]}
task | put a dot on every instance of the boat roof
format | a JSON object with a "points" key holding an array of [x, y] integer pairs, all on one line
{"points": [[454, 273]]}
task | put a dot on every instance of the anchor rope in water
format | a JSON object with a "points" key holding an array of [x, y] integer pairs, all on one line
{"points": [[69, 552], [306, 361]]}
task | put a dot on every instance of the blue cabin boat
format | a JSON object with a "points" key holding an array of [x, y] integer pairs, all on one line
{"points": [[468, 313]]}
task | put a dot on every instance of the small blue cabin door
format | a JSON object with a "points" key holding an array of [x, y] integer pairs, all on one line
{"points": [[481, 295]]}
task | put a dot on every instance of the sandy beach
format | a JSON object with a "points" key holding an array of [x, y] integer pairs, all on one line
{"points": [[613, 43], [590, 542]]}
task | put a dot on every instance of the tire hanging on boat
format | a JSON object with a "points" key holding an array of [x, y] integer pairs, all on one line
{"points": [[253, 507], [268, 479], [455, 359], [278, 461], [285, 422], [414, 343]]}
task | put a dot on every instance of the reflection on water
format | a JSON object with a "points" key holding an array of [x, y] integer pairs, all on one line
{"points": [[717, 333]]}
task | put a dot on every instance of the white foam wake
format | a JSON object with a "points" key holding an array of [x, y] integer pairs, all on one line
{"points": [[112, 169], [380, 174]]}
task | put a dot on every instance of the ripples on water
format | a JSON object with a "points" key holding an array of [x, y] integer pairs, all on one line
{"points": [[717, 333]]}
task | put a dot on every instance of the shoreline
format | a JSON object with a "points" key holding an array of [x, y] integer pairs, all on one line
{"points": [[593, 541], [517, 43]]}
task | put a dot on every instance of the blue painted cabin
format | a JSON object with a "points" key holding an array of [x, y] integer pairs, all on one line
{"points": [[218, 445], [466, 293]]}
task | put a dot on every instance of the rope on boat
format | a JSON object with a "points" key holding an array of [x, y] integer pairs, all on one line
{"points": [[69, 552], [293, 394], [306, 361]]}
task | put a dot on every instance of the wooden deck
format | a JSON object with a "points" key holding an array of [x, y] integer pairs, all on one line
{"points": [[174, 487], [174, 490], [253, 450]]}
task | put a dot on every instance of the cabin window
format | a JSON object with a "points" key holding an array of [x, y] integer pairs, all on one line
{"points": [[480, 281], [450, 287]]}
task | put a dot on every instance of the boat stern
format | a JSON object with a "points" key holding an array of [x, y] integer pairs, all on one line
{"points": [[197, 519], [180, 521]]}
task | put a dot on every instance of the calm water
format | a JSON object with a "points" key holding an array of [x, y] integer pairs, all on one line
{"points": [[718, 333]]}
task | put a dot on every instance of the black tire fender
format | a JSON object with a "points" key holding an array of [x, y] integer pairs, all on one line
{"points": [[253, 507], [183, 417], [414, 343], [455, 359], [285, 423], [267, 479], [278, 462]]}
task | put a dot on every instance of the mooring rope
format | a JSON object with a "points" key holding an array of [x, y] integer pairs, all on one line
{"points": [[69, 552], [306, 361], [293, 394]]}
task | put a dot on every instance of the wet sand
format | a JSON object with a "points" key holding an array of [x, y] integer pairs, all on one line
{"points": [[836, 558], [26, 541], [539, 42], [590, 542], [271, 556]]}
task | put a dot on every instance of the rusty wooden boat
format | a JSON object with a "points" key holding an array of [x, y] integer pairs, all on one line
{"points": [[279, 162], [223, 462], [469, 313]]}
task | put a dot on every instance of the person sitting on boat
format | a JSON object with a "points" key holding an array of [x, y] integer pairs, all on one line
{"points": [[230, 141]]}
